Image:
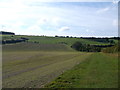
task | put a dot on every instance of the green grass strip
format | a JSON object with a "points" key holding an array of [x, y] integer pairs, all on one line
{"points": [[98, 71]]}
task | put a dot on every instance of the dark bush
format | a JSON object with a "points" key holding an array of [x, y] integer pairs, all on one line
{"points": [[85, 47]]}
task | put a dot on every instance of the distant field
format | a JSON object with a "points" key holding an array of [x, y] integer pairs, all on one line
{"points": [[36, 47], [98, 71], [53, 40], [68, 41]]}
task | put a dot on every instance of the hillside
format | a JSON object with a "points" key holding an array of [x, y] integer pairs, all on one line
{"points": [[64, 40], [45, 43], [27, 46], [39, 60], [113, 49], [52, 40]]}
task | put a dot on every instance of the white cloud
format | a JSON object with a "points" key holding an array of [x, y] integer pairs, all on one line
{"points": [[103, 10], [13, 4], [64, 29], [20, 16], [10, 10], [115, 1]]}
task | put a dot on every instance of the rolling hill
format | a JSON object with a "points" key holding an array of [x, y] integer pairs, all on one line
{"points": [[29, 46], [39, 60]]}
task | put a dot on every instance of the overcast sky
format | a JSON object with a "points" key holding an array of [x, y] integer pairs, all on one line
{"points": [[32, 17]]}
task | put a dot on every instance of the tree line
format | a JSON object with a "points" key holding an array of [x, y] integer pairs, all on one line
{"points": [[98, 39], [9, 41], [93, 38], [6, 33], [88, 48], [103, 40]]}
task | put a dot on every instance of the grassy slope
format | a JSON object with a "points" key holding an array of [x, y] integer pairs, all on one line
{"points": [[113, 49], [36, 47], [69, 41], [98, 71], [53, 40], [39, 65], [33, 65], [34, 69]]}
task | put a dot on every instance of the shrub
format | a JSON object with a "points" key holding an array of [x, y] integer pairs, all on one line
{"points": [[85, 47]]}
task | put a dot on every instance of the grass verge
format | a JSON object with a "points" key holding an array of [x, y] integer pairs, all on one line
{"points": [[98, 71]]}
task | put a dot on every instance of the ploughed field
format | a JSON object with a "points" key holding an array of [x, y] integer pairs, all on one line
{"points": [[36, 68]]}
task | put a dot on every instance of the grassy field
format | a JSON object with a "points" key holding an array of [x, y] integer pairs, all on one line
{"points": [[34, 65], [98, 71], [24, 46], [53, 40], [36, 68]]}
